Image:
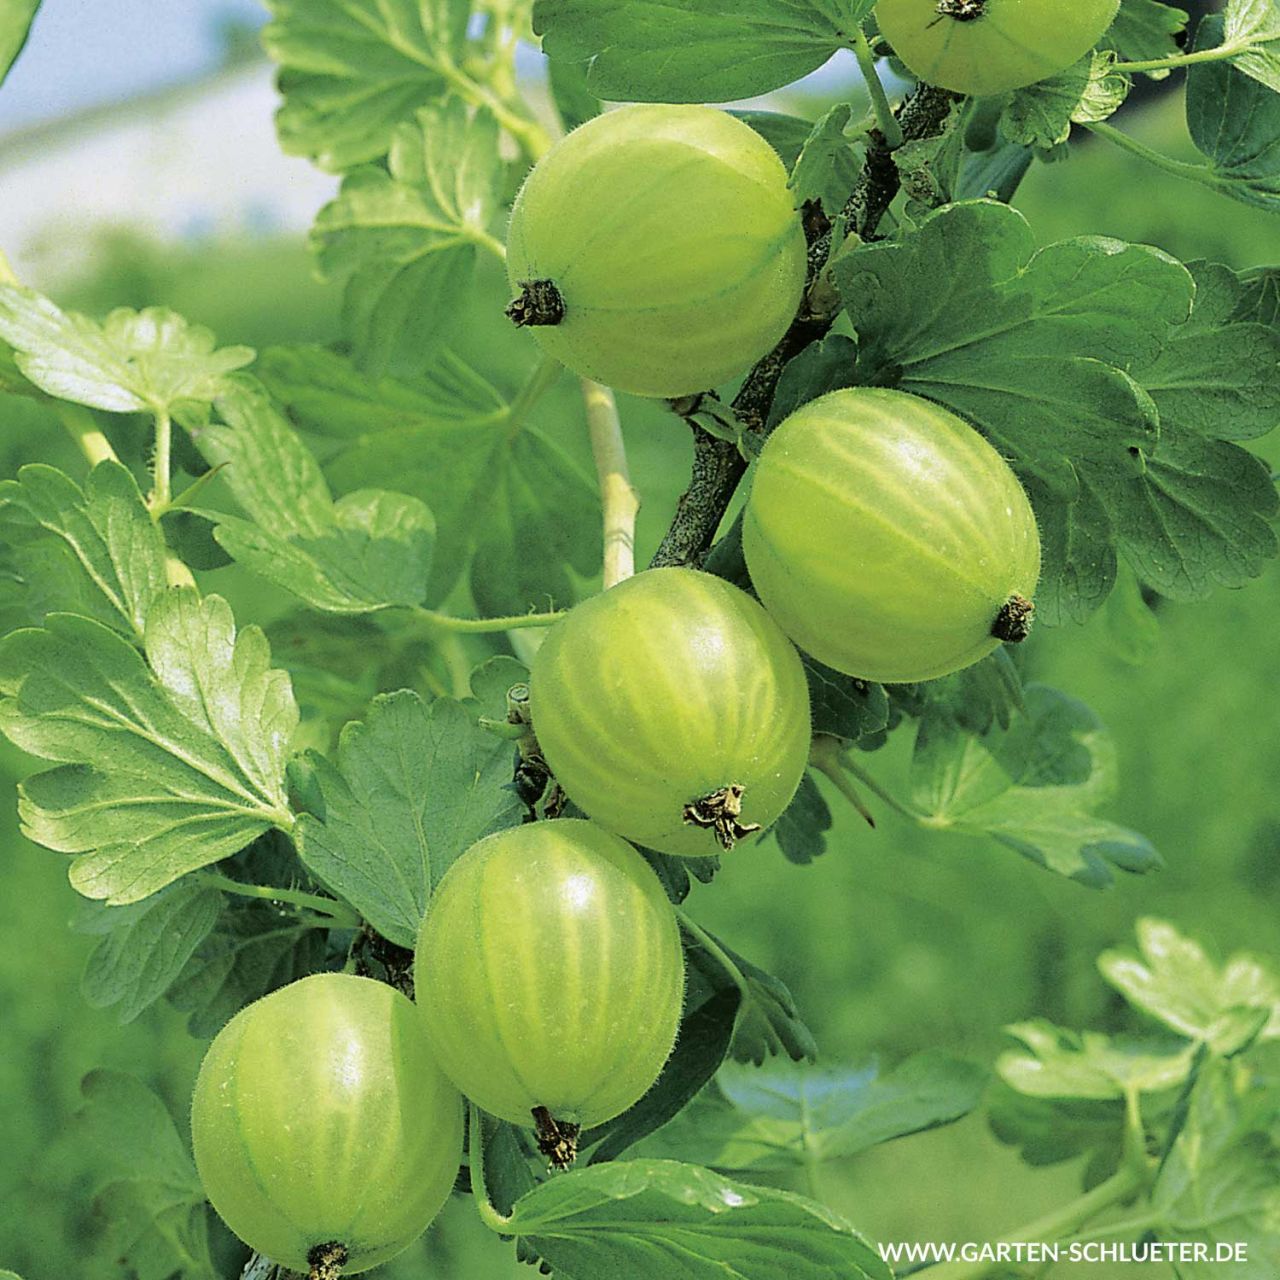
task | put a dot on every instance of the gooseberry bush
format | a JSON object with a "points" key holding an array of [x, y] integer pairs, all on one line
{"points": [[417, 848]]}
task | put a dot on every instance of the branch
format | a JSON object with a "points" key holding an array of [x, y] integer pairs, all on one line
{"points": [[619, 499], [718, 466]]}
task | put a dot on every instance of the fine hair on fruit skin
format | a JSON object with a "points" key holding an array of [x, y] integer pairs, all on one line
{"points": [[888, 538], [550, 976], [325, 1134], [672, 710], [657, 249], [983, 47]]}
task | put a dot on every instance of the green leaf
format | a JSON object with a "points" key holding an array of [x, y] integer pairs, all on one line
{"points": [[1048, 1131], [1174, 981], [652, 1219], [976, 699], [844, 706], [703, 1041], [768, 1020], [147, 1192], [414, 788], [16, 17], [371, 550], [695, 50], [1235, 122], [508, 503], [827, 167], [1253, 26], [94, 551], [351, 71], [151, 360], [407, 240], [254, 949], [1033, 788], [1040, 374], [575, 103], [801, 832], [1146, 31], [167, 765], [1041, 114], [1221, 1181], [785, 134], [782, 1115], [1133, 630], [145, 946], [1066, 1064]]}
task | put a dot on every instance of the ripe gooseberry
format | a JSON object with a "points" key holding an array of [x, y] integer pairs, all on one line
{"points": [[325, 1134], [673, 711], [888, 538], [657, 249], [550, 976], [991, 46]]}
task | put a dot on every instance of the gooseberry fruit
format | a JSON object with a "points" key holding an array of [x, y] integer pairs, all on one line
{"points": [[550, 976], [673, 711], [888, 538], [325, 1134], [657, 249], [991, 46]]}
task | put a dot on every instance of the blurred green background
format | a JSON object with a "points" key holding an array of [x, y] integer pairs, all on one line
{"points": [[895, 941]]}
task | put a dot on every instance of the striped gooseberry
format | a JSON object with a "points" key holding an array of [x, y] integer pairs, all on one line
{"points": [[657, 249], [888, 538], [325, 1135], [672, 710], [550, 977], [991, 46]]}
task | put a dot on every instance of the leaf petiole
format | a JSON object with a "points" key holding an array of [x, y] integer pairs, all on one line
{"points": [[485, 1207], [885, 118], [338, 914]]}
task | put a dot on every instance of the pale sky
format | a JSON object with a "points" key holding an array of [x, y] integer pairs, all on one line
{"points": [[85, 52]]}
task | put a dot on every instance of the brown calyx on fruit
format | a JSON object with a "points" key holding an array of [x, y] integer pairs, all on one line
{"points": [[557, 1140], [1013, 622], [540, 304], [720, 812], [327, 1260], [962, 10]]}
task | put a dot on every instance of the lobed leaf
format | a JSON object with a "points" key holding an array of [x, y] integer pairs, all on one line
{"points": [[406, 237], [781, 1115], [1051, 374], [695, 50], [1033, 787], [145, 946], [152, 360], [148, 1190], [413, 788], [1055, 1063], [510, 506], [1234, 120], [167, 764], [651, 1219], [1253, 26], [1220, 1182], [1146, 31], [351, 71], [93, 551], [369, 551], [1174, 981]]}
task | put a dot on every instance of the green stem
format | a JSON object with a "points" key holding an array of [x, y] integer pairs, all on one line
{"points": [[1053, 1227], [725, 961], [1174, 61], [161, 493], [338, 913], [485, 1207], [7, 275], [83, 429], [543, 378], [486, 626], [491, 243], [848, 766], [888, 122], [528, 133], [1179, 168]]}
